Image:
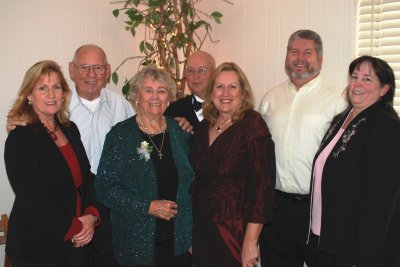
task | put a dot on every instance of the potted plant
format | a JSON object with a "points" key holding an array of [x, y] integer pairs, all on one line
{"points": [[170, 34]]}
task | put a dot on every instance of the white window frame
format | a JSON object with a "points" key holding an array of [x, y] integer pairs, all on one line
{"points": [[378, 34]]}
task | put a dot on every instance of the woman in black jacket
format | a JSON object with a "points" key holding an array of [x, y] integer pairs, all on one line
{"points": [[356, 174], [53, 216]]}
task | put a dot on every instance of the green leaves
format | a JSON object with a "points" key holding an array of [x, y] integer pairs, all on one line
{"points": [[126, 89], [149, 46], [116, 12], [195, 25], [217, 16], [145, 47], [170, 33], [114, 77]]}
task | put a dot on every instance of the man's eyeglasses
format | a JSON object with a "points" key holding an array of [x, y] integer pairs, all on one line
{"points": [[201, 71], [98, 69]]}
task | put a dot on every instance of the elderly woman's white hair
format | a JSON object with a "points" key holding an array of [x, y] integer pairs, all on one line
{"points": [[155, 74]]}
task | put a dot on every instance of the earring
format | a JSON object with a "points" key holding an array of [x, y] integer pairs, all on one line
{"points": [[29, 102], [62, 100], [137, 103]]}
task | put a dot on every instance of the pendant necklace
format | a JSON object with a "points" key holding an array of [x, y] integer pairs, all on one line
{"points": [[221, 127], [160, 154], [52, 133], [149, 133]]}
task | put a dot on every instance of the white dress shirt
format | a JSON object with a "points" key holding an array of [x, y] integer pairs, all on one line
{"points": [[298, 121], [94, 125], [199, 113]]}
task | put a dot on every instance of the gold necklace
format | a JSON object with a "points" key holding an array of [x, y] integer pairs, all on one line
{"points": [[220, 128]]}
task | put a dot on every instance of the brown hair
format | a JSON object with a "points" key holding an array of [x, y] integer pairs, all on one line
{"points": [[22, 108], [210, 112]]}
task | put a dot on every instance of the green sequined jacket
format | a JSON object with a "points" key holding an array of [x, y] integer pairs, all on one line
{"points": [[127, 183]]}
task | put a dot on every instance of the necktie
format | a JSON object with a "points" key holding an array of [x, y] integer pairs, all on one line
{"points": [[196, 104]]}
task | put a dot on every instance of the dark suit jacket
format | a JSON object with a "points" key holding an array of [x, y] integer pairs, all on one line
{"points": [[45, 194], [361, 186], [183, 108]]}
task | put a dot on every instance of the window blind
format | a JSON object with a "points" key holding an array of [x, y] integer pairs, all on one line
{"points": [[378, 34]]}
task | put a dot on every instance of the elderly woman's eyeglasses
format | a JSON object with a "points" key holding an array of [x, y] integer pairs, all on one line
{"points": [[98, 69], [201, 71]]}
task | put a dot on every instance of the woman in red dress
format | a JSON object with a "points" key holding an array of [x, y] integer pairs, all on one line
{"points": [[233, 156]]}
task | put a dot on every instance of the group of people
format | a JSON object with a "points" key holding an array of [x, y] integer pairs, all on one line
{"points": [[309, 178]]}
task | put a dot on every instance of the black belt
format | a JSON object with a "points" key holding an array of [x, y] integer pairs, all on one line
{"points": [[295, 198]]}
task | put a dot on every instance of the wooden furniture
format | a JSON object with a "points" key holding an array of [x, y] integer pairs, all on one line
{"points": [[3, 237]]}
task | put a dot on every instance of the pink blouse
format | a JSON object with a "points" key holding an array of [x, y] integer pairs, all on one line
{"points": [[317, 194]]}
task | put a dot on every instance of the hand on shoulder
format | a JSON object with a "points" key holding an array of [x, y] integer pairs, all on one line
{"points": [[14, 122]]}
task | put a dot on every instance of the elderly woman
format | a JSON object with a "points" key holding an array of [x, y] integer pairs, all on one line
{"points": [[356, 175], [144, 178], [233, 157], [53, 216]]}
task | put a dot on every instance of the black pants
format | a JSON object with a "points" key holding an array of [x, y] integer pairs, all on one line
{"points": [[323, 259], [283, 243], [78, 258], [101, 250]]}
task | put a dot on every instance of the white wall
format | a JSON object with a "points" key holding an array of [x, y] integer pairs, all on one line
{"points": [[253, 34]]}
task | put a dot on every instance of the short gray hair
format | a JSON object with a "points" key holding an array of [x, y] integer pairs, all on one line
{"points": [[309, 35], [156, 74]]}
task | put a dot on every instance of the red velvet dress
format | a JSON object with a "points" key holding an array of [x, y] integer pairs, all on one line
{"points": [[233, 186]]}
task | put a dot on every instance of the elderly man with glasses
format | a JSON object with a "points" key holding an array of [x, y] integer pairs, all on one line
{"points": [[95, 110], [200, 67]]}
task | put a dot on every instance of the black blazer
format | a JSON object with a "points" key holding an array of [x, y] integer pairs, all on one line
{"points": [[361, 187], [45, 195], [183, 108]]}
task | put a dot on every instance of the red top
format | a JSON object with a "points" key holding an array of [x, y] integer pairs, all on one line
{"points": [[69, 154]]}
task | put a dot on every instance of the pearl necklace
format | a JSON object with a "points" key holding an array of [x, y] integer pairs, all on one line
{"points": [[147, 130], [220, 128]]}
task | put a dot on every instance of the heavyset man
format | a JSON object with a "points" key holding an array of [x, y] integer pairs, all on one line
{"points": [[298, 113]]}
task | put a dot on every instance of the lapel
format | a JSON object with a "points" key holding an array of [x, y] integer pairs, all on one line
{"points": [[350, 131], [333, 129], [191, 115]]}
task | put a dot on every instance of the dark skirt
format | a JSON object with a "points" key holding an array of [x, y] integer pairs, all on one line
{"points": [[78, 258], [164, 249], [183, 260], [217, 244]]}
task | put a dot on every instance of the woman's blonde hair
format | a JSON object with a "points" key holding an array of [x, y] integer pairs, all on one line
{"points": [[22, 108], [210, 112]]}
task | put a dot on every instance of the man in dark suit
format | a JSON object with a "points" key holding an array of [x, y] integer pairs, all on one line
{"points": [[200, 67]]}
